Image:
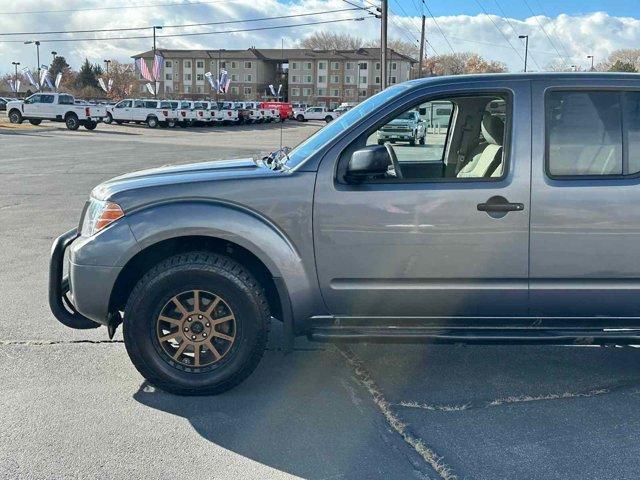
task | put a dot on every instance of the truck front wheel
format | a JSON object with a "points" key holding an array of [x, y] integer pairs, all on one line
{"points": [[90, 125], [196, 324], [108, 119], [152, 122], [72, 121], [15, 116], [328, 118], [300, 117]]}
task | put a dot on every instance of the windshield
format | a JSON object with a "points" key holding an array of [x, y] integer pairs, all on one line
{"points": [[406, 116], [316, 141]]}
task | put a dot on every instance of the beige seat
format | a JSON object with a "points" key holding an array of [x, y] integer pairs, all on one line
{"points": [[487, 160]]}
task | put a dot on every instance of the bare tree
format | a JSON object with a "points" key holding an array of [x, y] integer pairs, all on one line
{"points": [[124, 79], [325, 40], [399, 46], [461, 63], [623, 58]]}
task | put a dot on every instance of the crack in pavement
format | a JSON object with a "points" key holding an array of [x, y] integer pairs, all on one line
{"points": [[363, 377], [514, 399]]}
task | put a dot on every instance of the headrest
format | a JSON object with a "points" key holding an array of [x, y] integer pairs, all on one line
{"points": [[492, 129]]}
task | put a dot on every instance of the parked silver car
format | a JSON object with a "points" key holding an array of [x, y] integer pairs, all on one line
{"points": [[515, 224], [408, 127]]}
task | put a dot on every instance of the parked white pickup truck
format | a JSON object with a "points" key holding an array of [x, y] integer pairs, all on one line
{"points": [[227, 114], [56, 107], [317, 113], [151, 112]]}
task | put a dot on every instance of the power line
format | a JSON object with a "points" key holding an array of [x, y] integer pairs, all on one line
{"points": [[513, 29], [500, 31], [149, 5], [129, 29], [217, 32], [438, 27], [557, 37], [545, 33]]}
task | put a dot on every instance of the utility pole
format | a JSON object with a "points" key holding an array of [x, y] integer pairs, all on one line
{"points": [[107, 62], [591, 57], [526, 49], [421, 47], [384, 14], [37, 42]]}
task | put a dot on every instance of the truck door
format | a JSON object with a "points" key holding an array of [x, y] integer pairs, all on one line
{"points": [[585, 254], [47, 107], [138, 112], [31, 106], [445, 230], [122, 110]]}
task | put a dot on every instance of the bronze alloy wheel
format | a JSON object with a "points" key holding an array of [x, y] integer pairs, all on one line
{"points": [[196, 328]]}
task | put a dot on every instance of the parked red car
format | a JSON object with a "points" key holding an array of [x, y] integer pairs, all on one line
{"points": [[284, 109]]}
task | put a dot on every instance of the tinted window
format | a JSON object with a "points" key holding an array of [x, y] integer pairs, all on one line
{"points": [[632, 127], [33, 99], [46, 98], [65, 100], [151, 104], [138, 104], [584, 133]]}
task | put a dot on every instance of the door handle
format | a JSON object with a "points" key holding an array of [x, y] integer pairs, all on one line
{"points": [[500, 204]]}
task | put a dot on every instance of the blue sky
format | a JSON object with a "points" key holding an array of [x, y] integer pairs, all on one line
{"points": [[518, 8]]}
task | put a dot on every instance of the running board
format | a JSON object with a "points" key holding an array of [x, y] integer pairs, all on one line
{"points": [[336, 331]]}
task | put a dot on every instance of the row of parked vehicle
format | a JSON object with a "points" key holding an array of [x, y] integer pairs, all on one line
{"points": [[62, 107]]}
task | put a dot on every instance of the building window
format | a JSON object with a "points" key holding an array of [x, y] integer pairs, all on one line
{"points": [[234, 77], [309, 79], [335, 79], [234, 90], [168, 76], [247, 90], [248, 77], [362, 65], [393, 80], [200, 77], [378, 66], [295, 92], [348, 66], [223, 64], [309, 66], [335, 65], [294, 65], [198, 89], [187, 64], [322, 92], [362, 93], [335, 92], [306, 92], [168, 89], [187, 77], [234, 65], [199, 64], [322, 79], [348, 79], [247, 65], [377, 80], [187, 89], [322, 66], [394, 66], [363, 79], [168, 64], [294, 79]]}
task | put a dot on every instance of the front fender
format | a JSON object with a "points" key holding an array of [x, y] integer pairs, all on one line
{"points": [[236, 224]]}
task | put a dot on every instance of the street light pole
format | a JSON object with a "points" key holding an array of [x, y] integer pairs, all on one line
{"points": [[591, 57], [526, 49], [155, 80], [54, 56], [15, 79], [106, 63], [37, 42]]}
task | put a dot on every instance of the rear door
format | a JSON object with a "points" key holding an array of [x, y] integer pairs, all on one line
{"points": [[419, 243], [138, 112], [585, 220]]}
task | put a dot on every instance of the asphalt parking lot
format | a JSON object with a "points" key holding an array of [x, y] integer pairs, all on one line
{"points": [[73, 406]]}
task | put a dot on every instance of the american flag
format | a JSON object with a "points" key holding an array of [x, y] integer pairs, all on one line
{"points": [[158, 64], [144, 70]]}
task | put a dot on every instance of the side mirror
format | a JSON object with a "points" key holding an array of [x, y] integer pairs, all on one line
{"points": [[422, 111], [367, 161]]}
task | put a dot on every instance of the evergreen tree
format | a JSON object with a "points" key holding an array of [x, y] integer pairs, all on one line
{"points": [[620, 66], [59, 65], [86, 76]]}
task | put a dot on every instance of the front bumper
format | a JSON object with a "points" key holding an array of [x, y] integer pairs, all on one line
{"points": [[59, 287], [399, 135]]}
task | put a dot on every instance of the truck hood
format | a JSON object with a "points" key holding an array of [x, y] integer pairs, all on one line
{"points": [[401, 123], [193, 174]]}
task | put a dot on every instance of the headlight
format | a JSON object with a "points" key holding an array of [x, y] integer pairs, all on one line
{"points": [[98, 215]]}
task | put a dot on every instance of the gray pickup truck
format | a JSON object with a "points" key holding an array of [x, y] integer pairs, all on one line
{"points": [[516, 223]]}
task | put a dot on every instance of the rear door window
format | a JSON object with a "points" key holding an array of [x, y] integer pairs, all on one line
{"points": [[585, 134], [150, 104]]}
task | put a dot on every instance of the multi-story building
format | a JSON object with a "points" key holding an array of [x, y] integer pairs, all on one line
{"points": [[318, 77]]}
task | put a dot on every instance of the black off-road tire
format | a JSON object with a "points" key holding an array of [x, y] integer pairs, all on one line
{"points": [[300, 117], [72, 121], [90, 125], [328, 118], [206, 272], [15, 117]]}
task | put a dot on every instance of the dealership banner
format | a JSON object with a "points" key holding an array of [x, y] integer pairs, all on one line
{"points": [[27, 73], [144, 69], [58, 80]]}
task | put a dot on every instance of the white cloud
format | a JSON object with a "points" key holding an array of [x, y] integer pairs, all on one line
{"points": [[571, 37]]}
